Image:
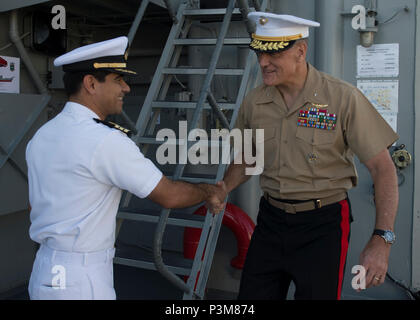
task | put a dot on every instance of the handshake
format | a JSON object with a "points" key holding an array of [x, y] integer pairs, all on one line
{"points": [[215, 196], [182, 194]]}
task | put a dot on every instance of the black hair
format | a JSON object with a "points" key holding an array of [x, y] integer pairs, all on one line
{"points": [[73, 80]]}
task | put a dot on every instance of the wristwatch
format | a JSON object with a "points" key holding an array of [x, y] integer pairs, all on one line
{"points": [[387, 235]]}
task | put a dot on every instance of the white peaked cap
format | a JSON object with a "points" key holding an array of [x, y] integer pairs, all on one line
{"points": [[108, 55], [275, 31]]}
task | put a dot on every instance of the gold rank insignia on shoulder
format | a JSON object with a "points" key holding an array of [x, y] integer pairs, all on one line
{"points": [[317, 116], [114, 126]]}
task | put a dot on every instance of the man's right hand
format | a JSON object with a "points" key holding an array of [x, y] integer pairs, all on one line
{"points": [[180, 194], [216, 195]]}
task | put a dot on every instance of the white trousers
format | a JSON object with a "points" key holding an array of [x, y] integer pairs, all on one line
{"points": [[62, 275]]}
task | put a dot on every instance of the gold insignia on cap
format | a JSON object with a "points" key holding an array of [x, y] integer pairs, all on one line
{"points": [[127, 71], [259, 45], [263, 20], [98, 65], [284, 38], [272, 43], [126, 55]]}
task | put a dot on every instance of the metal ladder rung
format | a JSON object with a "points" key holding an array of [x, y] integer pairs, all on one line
{"points": [[142, 264], [188, 105], [209, 12], [200, 41], [145, 140], [187, 220], [203, 71]]}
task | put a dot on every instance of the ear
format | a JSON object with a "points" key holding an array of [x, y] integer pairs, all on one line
{"points": [[302, 48], [89, 83]]}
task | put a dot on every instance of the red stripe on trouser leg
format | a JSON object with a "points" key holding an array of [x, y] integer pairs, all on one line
{"points": [[345, 230]]}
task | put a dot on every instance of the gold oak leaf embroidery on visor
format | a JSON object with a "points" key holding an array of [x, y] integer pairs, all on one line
{"points": [[259, 45]]}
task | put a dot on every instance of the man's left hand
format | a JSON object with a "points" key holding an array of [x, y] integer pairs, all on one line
{"points": [[375, 260]]}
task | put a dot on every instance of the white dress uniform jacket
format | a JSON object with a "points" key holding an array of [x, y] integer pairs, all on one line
{"points": [[77, 169]]}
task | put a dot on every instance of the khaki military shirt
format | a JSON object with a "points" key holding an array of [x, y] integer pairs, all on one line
{"points": [[314, 159]]}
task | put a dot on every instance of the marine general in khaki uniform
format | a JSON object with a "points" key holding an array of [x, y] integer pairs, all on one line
{"points": [[313, 125]]}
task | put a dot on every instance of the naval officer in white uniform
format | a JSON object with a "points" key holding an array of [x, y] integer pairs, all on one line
{"points": [[78, 165]]}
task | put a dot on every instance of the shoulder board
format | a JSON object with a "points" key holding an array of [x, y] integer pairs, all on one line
{"points": [[114, 126]]}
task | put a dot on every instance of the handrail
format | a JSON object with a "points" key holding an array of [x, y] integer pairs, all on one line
{"points": [[172, 11], [257, 5], [158, 238], [160, 228], [244, 9], [248, 79], [216, 109], [135, 25]]}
